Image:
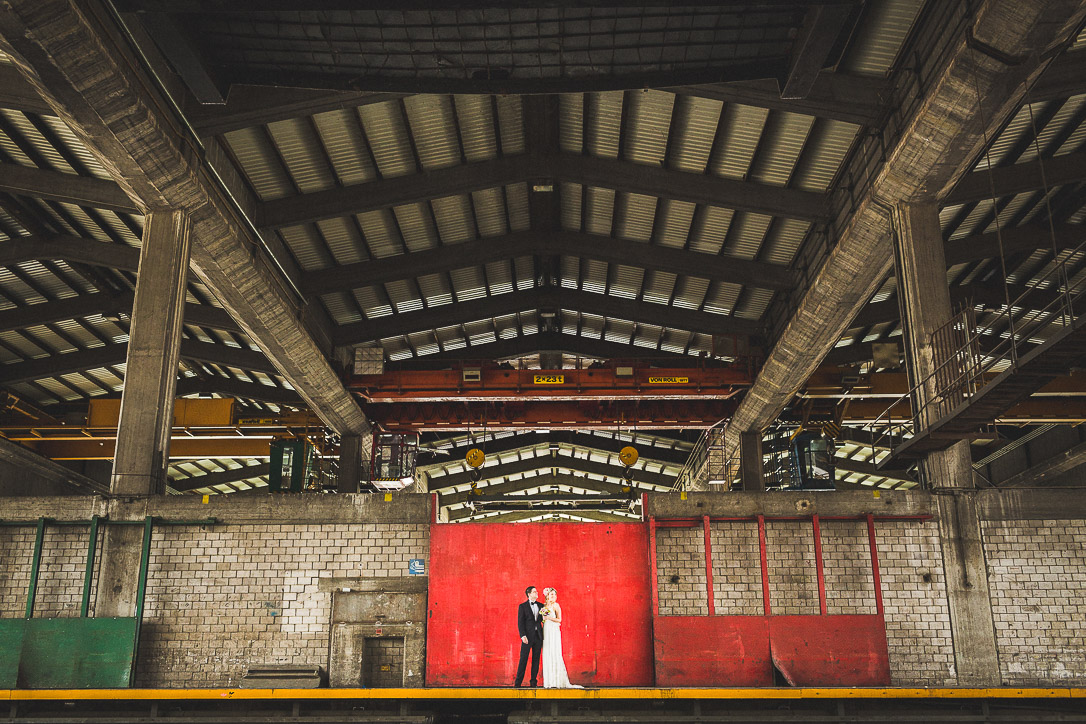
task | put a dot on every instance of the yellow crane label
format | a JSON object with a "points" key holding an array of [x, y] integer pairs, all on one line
{"points": [[549, 379]]}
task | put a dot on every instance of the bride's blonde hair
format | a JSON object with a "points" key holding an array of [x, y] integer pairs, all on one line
{"points": [[548, 591]]}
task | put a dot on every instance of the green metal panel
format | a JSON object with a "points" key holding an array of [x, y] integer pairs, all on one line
{"points": [[291, 465], [11, 643], [77, 653]]}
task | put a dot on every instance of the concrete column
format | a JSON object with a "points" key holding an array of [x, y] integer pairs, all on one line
{"points": [[350, 463], [925, 301], [154, 343], [750, 461]]}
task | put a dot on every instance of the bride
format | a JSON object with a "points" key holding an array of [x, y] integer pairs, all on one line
{"points": [[554, 667]]}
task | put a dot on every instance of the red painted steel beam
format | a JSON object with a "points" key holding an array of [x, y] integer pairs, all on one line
{"points": [[877, 579], [652, 561], [708, 566], [497, 384], [766, 609], [644, 414], [821, 571]]}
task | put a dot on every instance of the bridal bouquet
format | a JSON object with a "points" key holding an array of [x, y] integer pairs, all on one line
{"points": [[543, 613]]}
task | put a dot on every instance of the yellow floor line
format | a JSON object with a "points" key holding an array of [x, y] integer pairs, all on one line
{"points": [[528, 693]]}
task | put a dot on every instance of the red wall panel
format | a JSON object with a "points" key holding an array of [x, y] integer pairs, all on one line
{"points": [[478, 572], [831, 650], [712, 651]]}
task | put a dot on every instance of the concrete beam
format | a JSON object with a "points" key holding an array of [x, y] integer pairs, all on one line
{"points": [[971, 97], [777, 503], [75, 56], [154, 348]]}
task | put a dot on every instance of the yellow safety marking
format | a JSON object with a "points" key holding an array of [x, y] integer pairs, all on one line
{"points": [[531, 693], [206, 499], [669, 380], [548, 379], [388, 497]]}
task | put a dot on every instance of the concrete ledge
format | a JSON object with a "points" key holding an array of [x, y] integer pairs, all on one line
{"points": [[827, 503], [303, 508], [1032, 504]]}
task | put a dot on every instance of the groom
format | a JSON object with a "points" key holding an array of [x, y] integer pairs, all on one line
{"points": [[530, 626]]}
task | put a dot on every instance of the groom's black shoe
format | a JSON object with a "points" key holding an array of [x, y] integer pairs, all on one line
{"points": [[534, 684]]}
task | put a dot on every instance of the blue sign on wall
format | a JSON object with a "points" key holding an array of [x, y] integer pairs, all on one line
{"points": [[417, 567]]}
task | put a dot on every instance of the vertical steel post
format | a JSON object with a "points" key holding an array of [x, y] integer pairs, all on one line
{"points": [[93, 535], [765, 566], [818, 565], [35, 567], [709, 566]]}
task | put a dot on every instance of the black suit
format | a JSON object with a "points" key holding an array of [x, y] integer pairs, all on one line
{"points": [[531, 626]]}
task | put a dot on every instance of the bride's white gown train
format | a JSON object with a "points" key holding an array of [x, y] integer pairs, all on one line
{"points": [[554, 667]]}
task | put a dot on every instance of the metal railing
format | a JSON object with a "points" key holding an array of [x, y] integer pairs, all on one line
{"points": [[708, 462], [964, 368]]}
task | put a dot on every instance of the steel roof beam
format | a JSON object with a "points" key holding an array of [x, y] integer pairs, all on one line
{"points": [[1064, 77], [937, 146], [115, 354], [1019, 178], [19, 95], [223, 477], [586, 170], [531, 344], [80, 61], [541, 298], [821, 27], [67, 187], [69, 248], [1019, 239], [88, 305], [582, 440], [835, 96], [231, 387], [527, 243], [249, 106], [548, 463]]}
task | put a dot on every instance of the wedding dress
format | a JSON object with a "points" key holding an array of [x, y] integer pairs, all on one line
{"points": [[554, 667]]}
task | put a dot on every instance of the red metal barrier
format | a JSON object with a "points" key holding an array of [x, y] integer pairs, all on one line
{"points": [[713, 651], [822, 650], [478, 572], [840, 650]]}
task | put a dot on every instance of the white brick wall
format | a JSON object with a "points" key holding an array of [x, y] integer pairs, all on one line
{"points": [[680, 571], [793, 581], [1037, 583], [16, 554], [846, 566], [224, 598], [737, 568], [60, 575], [914, 598]]}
